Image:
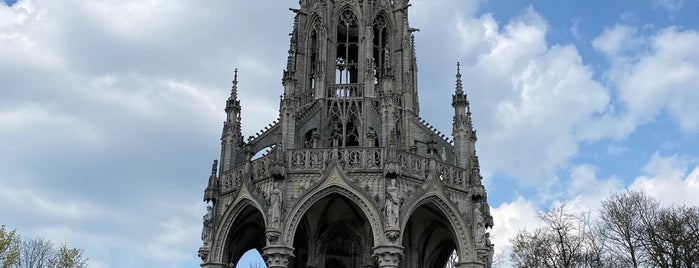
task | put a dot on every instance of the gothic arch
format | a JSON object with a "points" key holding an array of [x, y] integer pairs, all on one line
{"points": [[390, 23], [314, 22], [227, 230], [347, 7], [331, 186], [460, 231]]}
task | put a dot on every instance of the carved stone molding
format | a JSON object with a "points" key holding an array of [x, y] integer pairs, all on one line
{"points": [[204, 253], [388, 256], [277, 256]]}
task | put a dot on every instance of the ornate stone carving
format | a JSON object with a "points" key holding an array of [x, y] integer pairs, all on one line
{"points": [[479, 225], [208, 226], [344, 149], [388, 256], [278, 256], [274, 212], [393, 200]]}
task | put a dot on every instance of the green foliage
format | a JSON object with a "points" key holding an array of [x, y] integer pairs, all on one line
{"points": [[70, 258], [16, 252], [9, 248]]}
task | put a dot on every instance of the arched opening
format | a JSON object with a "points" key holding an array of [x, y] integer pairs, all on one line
{"points": [[248, 232], [428, 239], [380, 46], [347, 50], [344, 124], [333, 232], [251, 259], [313, 59], [311, 138], [264, 151]]}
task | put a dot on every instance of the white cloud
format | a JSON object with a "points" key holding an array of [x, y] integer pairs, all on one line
{"points": [[529, 98], [654, 75], [149, 79], [585, 191], [510, 218], [669, 5], [667, 180]]}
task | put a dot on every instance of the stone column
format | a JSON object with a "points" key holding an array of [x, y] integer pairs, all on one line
{"points": [[388, 256], [278, 256]]}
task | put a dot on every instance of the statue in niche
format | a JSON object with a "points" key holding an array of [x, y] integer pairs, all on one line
{"points": [[392, 204], [371, 140], [479, 229], [207, 229], [274, 211]]}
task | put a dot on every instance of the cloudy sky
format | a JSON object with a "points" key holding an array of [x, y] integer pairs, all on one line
{"points": [[111, 111]]}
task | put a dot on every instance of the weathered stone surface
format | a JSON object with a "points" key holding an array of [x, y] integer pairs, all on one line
{"points": [[352, 176]]}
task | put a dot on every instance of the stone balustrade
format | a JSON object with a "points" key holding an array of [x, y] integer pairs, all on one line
{"points": [[353, 160], [343, 91]]}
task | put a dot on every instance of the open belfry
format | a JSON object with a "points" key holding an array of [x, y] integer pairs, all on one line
{"points": [[349, 175]]}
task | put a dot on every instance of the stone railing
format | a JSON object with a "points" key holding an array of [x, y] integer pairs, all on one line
{"points": [[342, 91], [419, 167], [306, 97], [355, 159], [352, 159]]}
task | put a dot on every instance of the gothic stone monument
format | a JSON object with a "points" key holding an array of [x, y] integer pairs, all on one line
{"points": [[352, 177]]}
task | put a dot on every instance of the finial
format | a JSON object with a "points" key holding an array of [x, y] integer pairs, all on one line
{"points": [[459, 85], [234, 89]]}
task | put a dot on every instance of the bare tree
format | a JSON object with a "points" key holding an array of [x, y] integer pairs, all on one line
{"points": [[564, 240], [35, 253], [671, 237], [620, 219], [633, 230]]}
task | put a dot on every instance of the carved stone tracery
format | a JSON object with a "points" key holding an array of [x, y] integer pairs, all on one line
{"points": [[349, 129]]}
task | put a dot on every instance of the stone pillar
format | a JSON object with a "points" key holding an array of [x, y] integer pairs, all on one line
{"points": [[388, 256], [278, 256]]}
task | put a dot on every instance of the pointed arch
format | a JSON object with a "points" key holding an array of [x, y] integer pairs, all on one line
{"points": [[242, 228], [347, 39], [381, 26], [460, 232], [313, 51], [334, 183]]}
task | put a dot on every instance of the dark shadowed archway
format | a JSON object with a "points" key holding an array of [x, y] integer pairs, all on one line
{"points": [[428, 238], [247, 232], [334, 232]]}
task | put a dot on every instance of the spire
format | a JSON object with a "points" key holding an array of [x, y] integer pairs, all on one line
{"points": [[459, 85], [459, 100], [234, 89], [233, 104]]}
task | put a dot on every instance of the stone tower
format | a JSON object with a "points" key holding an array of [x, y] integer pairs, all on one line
{"points": [[350, 175]]}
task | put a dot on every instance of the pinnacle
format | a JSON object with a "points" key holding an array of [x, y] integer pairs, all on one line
{"points": [[234, 89], [459, 85]]}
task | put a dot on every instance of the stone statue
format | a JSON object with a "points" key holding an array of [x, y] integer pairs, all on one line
{"points": [[207, 229], [392, 204], [274, 211], [479, 229]]}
